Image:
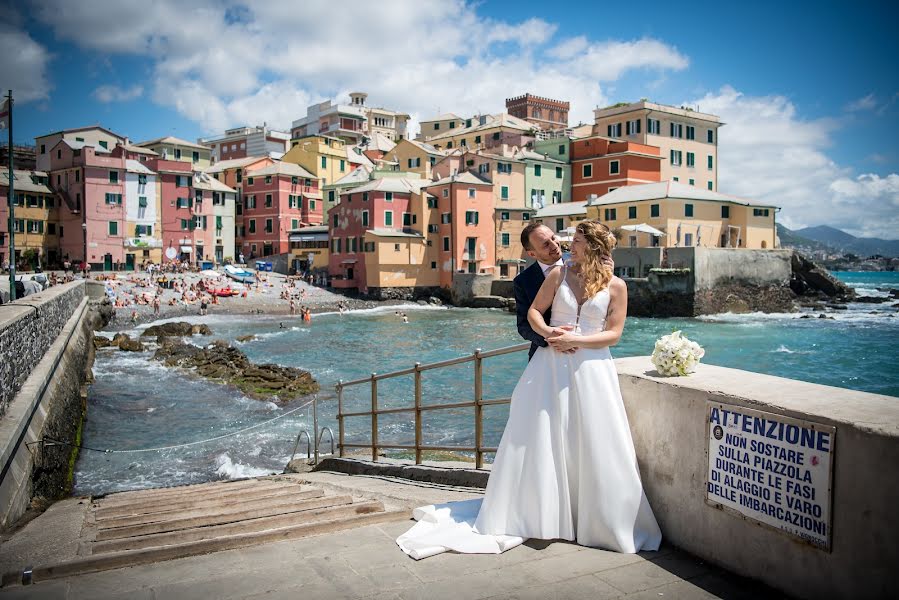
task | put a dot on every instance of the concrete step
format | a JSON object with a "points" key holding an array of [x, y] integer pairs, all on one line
{"points": [[188, 494], [308, 517], [221, 517], [129, 558], [217, 499], [197, 488], [224, 508]]}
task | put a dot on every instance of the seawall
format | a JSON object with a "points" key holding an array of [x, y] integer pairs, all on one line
{"points": [[670, 421], [45, 352]]}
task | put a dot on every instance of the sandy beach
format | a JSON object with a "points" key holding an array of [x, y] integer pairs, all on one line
{"points": [[132, 294]]}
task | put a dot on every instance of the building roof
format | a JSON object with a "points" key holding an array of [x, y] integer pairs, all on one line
{"points": [[311, 229], [394, 234], [490, 122], [426, 147], [79, 145], [379, 141], [22, 182], [399, 185], [564, 209], [443, 117], [135, 166], [77, 129], [527, 154], [357, 176], [668, 189], [173, 141], [206, 182], [466, 177], [680, 111], [234, 163], [281, 168]]}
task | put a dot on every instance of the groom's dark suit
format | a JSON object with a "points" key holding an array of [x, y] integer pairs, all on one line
{"points": [[526, 285]]}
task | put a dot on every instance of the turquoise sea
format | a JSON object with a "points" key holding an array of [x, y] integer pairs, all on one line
{"points": [[135, 403]]}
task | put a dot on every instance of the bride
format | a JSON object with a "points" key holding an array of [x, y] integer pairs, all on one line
{"points": [[565, 467]]}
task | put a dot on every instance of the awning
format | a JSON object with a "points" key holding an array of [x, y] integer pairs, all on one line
{"points": [[186, 249], [643, 228]]}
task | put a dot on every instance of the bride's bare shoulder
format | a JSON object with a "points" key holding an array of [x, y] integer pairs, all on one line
{"points": [[617, 286]]}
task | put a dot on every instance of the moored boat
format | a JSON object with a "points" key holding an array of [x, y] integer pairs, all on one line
{"points": [[238, 274]]}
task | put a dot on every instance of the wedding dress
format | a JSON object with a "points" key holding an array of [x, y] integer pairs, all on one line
{"points": [[565, 467]]}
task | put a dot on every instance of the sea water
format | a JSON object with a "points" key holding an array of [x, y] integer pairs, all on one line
{"points": [[136, 403]]}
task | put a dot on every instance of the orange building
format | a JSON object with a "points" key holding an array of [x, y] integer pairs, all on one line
{"points": [[601, 164]]}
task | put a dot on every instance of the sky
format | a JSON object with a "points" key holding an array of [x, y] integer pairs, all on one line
{"points": [[808, 92]]}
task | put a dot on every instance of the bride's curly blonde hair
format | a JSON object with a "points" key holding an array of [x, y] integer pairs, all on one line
{"points": [[595, 273]]}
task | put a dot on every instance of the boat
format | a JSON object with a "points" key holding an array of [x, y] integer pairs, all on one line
{"points": [[238, 274], [225, 292]]}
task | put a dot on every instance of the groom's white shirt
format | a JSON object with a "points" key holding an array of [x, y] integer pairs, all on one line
{"points": [[546, 267]]}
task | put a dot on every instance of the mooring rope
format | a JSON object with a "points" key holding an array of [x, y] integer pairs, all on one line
{"points": [[196, 443]]}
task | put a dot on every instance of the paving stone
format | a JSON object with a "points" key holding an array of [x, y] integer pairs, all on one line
{"points": [[645, 575], [465, 585], [585, 586], [45, 590]]}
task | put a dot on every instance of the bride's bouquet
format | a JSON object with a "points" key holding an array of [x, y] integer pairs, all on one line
{"points": [[675, 355]]}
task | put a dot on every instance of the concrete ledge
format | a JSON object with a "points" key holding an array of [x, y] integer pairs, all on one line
{"points": [[430, 474], [668, 419]]}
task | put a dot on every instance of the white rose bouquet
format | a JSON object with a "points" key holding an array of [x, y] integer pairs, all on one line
{"points": [[675, 355]]}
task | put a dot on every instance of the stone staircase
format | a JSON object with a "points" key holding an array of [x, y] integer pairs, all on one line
{"points": [[145, 526]]}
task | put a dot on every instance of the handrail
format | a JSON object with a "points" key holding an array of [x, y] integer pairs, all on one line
{"points": [[418, 408], [297, 445]]}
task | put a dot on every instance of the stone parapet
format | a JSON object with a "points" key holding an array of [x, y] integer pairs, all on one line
{"points": [[27, 329]]}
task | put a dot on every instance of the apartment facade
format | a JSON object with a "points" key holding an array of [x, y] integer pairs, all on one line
{"points": [[439, 125], [415, 157], [171, 148], [179, 212], [214, 221], [687, 139], [36, 220], [99, 137], [241, 142], [323, 156], [143, 222], [277, 198], [546, 180], [686, 216], [600, 165], [485, 131]]}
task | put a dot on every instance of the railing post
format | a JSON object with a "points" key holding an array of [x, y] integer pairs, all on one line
{"points": [[478, 409], [418, 413], [340, 415], [315, 425], [374, 418]]}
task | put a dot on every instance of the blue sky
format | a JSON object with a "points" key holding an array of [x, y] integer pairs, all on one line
{"points": [[810, 95]]}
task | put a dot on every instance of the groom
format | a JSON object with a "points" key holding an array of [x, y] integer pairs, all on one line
{"points": [[540, 243]]}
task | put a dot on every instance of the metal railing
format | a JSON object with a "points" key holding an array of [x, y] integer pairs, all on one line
{"points": [[418, 408]]}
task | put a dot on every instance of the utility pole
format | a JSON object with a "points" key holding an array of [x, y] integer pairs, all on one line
{"points": [[6, 113]]}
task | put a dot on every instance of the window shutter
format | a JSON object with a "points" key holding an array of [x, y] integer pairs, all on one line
{"points": [[638, 121]]}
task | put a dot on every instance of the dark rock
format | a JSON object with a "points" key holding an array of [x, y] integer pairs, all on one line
{"points": [[490, 302], [102, 342], [871, 299], [117, 338], [246, 338], [435, 301], [201, 329], [178, 329], [808, 278], [837, 307], [129, 345], [219, 360]]}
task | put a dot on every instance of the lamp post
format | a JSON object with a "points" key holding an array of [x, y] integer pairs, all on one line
{"points": [[84, 236]]}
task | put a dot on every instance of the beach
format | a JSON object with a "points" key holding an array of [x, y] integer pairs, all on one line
{"points": [[131, 295]]}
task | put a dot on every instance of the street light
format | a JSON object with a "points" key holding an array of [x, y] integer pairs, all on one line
{"points": [[84, 236]]}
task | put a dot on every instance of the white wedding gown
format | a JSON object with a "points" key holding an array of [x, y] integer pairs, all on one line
{"points": [[565, 468]]}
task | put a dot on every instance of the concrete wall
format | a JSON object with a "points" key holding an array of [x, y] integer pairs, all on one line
{"points": [[468, 285], [51, 392], [668, 420], [713, 266]]}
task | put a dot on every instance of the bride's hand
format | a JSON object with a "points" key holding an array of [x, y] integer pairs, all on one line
{"points": [[565, 341]]}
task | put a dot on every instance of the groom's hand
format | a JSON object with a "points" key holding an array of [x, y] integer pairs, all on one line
{"points": [[556, 336]]}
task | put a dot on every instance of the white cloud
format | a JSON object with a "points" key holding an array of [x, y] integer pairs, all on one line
{"points": [[868, 102], [219, 63], [767, 152], [23, 68], [113, 93]]}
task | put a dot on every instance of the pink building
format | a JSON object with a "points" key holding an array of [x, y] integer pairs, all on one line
{"points": [[177, 209], [466, 226], [89, 182], [383, 204], [277, 197]]}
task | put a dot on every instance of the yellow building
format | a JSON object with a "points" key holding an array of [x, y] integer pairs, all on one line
{"points": [[309, 249], [172, 148], [485, 131], [439, 125], [36, 217], [684, 216], [397, 259], [325, 157], [415, 157]]}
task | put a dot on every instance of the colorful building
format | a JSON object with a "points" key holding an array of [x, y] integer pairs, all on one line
{"points": [[214, 240], [600, 164], [242, 142], [35, 223], [485, 131], [688, 139], [324, 157], [546, 180], [350, 122], [499, 167], [89, 183], [94, 135], [545, 113], [439, 125], [684, 215], [309, 249], [172, 148], [143, 219], [277, 198], [390, 208], [562, 217], [416, 157], [177, 210]]}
